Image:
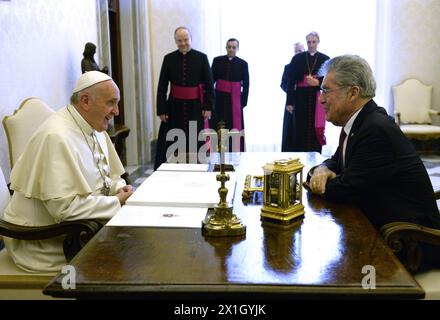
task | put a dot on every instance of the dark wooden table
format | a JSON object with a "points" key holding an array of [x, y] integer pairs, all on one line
{"points": [[320, 256]]}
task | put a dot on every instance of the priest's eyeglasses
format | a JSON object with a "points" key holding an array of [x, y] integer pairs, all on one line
{"points": [[326, 91]]}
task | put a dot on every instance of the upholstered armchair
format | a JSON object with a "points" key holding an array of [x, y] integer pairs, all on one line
{"points": [[16, 283], [20, 126], [413, 111], [406, 239]]}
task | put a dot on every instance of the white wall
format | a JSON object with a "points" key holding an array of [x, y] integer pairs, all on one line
{"points": [[414, 44], [41, 45]]}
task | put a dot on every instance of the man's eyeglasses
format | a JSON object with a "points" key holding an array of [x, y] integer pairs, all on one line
{"points": [[326, 91]]}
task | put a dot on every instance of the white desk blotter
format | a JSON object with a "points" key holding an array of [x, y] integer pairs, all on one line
{"points": [[181, 189], [183, 167], [146, 216]]}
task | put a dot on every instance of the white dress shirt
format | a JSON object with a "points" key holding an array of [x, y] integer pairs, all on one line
{"points": [[347, 129]]}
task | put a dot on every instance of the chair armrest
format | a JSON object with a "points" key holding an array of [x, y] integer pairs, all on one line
{"points": [[126, 178], [118, 132], [397, 116], [78, 233], [404, 239], [434, 112]]}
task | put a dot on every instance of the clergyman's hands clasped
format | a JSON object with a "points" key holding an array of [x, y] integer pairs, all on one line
{"points": [[125, 193], [312, 81], [319, 179]]}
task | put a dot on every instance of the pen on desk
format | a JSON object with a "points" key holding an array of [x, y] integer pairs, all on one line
{"points": [[169, 215]]}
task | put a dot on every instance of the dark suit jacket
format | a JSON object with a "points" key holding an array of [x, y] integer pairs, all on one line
{"points": [[383, 174]]}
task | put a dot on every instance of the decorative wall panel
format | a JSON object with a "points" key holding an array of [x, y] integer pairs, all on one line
{"points": [[41, 44]]}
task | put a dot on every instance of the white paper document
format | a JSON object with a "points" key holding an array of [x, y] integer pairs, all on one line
{"points": [[435, 171], [145, 216], [181, 189], [183, 167]]}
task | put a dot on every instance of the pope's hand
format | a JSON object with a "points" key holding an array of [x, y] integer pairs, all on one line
{"points": [[125, 193]]}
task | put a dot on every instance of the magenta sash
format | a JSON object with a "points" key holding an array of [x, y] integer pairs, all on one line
{"points": [[319, 113], [234, 88], [191, 93], [187, 93]]}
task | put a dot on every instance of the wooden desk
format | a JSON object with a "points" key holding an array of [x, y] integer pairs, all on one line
{"points": [[320, 256]]}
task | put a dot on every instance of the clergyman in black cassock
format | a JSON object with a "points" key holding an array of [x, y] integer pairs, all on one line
{"points": [[191, 95], [306, 132], [231, 77], [288, 133]]}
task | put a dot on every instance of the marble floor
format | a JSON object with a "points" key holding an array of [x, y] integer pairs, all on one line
{"points": [[138, 174]]}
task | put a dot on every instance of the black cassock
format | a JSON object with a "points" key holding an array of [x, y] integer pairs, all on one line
{"points": [[183, 70], [299, 128], [234, 70]]}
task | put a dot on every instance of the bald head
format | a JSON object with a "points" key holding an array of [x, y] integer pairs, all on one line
{"points": [[182, 37]]}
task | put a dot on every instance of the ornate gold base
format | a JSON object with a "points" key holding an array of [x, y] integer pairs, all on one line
{"points": [[222, 223], [284, 216], [293, 224]]}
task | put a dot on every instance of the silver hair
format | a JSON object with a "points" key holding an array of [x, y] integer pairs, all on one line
{"points": [[74, 98], [314, 34], [351, 70]]}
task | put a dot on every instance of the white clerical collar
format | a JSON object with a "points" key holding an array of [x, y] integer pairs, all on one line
{"points": [[312, 54], [82, 123], [184, 53], [349, 124]]}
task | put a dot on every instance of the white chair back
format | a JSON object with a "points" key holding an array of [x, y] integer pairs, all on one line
{"points": [[412, 100], [20, 126]]}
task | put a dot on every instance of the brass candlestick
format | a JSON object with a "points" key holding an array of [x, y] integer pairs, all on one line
{"points": [[222, 222]]}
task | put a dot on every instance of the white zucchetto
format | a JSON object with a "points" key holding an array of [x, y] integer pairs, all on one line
{"points": [[90, 78]]}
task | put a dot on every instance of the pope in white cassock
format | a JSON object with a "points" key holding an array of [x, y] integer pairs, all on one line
{"points": [[68, 171]]}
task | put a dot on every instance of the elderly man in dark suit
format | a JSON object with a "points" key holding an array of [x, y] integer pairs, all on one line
{"points": [[375, 167]]}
